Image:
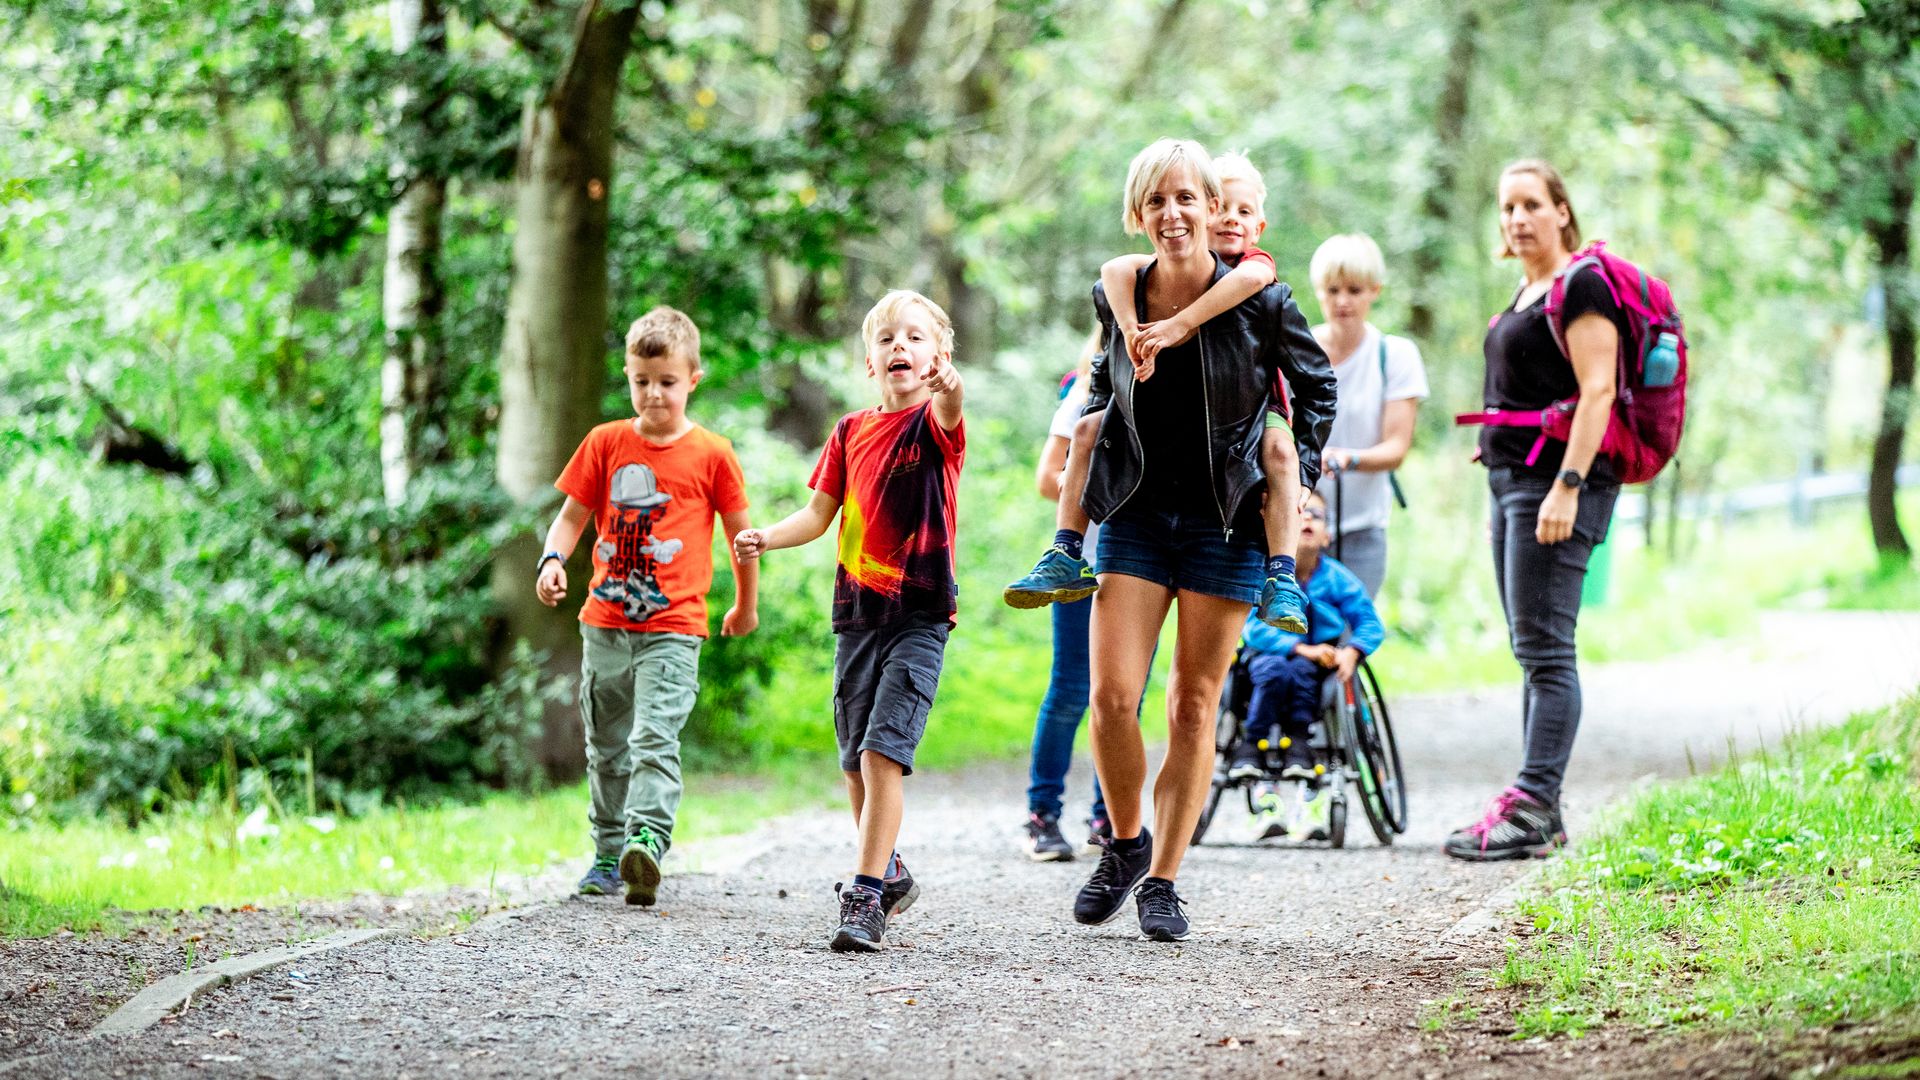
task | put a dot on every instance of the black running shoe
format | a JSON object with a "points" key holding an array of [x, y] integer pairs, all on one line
{"points": [[898, 890], [1515, 826], [1044, 842], [1105, 893], [1163, 915], [1248, 763], [863, 921], [1099, 833], [1297, 762]]}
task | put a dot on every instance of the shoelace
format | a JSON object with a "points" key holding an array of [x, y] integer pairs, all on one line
{"points": [[1111, 870], [606, 863], [853, 899], [1499, 812], [1162, 901]]}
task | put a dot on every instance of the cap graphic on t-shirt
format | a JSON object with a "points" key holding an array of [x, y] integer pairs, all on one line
{"points": [[636, 488]]}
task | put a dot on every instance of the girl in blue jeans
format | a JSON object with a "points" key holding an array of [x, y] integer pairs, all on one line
{"points": [[1068, 685]]}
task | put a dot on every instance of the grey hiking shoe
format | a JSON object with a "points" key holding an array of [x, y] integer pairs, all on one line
{"points": [[640, 867], [863, 920], [898, 890]]}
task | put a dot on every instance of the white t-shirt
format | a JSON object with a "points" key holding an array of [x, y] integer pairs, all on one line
{"points": [[1367, 497], [1064, 418]]}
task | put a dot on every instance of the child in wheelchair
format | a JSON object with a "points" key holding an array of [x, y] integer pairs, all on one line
{"points": [[1287, 670]]}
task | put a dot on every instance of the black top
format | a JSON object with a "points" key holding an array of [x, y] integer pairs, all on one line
{"points": [[1169, 412], [1526, 370]]}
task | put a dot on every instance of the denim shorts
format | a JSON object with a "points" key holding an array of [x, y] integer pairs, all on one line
{"points": [[1185, 551]]}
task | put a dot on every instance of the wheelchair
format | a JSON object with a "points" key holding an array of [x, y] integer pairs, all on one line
{"points": [[1353, 744]]}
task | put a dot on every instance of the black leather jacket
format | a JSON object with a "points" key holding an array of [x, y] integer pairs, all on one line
{"points": [[1240, 351]]}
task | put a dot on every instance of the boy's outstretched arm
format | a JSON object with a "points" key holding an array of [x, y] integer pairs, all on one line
{"points": [[744, 615], [551, 584], [1228, 293], [944, 380], [1117, 276], [803, 526]]}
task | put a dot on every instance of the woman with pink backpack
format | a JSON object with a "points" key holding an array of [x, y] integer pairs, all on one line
{"points": [[1559, 440]]}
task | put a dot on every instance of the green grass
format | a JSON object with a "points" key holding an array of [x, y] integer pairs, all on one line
{"points": [[1776, 893], [85, 875]]}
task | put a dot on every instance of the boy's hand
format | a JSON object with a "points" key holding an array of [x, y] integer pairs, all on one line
{"points": [[1319, 654], [1165, 334], [941, 378], [1346, 660], [551, 585], [749, 544], [738, 623]]}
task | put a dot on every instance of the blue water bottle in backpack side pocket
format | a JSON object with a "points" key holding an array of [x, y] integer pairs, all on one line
{"points": [[1663, 360]]}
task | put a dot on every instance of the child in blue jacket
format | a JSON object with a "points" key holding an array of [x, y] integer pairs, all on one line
{"points": [[1287, 669]]}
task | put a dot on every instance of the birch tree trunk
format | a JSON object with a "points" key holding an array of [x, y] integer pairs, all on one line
{"points": [[412, 390], [553, 359]]}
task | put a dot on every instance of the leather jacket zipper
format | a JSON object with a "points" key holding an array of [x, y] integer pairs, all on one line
{"points": [[1206, 405]]}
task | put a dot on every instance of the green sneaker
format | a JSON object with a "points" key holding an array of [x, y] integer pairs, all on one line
{"points": [[603, 879], [640, 867], [1058, 578], [1283, 605]]}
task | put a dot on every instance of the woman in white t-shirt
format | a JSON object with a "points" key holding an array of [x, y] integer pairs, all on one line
{"points": [[1382, 383]]}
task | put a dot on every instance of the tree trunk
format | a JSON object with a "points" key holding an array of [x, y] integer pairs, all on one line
{"points": [[1892, 242], [553, 361], [413, 421], [1437, 203]]}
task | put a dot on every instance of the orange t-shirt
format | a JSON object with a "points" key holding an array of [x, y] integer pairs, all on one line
{"points": [[653, 506]]}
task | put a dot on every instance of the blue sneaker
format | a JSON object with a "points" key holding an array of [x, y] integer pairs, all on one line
{"points": [[1282, 605], [640, 867], [603, 879], [1058, 578]]}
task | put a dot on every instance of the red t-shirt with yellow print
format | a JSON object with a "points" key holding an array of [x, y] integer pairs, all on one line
{"points": [[653, 506], [897, 476]]}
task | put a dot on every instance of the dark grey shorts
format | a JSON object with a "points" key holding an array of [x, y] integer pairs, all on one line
{"points": [[883, 686]]}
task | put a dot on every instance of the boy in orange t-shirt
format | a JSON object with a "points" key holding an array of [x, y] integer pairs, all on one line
{"points": [[651, 485]]}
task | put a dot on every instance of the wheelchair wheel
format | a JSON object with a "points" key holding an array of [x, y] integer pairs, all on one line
{"points": [[1376, 757], [1336, 820], [1212, 804]]}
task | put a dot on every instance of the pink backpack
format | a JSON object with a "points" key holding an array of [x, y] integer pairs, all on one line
{"points": [[1650, 397]]}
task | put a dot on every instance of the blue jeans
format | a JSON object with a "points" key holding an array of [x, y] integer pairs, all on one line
{"points": [[1061, 711], [1286, 691]]}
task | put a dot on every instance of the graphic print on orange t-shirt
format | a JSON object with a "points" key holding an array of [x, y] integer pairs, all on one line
{"points": [[653, 507], [897, 476]]}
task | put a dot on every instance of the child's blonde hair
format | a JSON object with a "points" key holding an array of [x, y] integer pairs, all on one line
{"points": [[1155, 162], [664, 331], [1352, 258], [889, 308], [1237, 167]]}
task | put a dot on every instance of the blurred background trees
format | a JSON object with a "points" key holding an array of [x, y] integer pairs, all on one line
{"points": [[302, 307]]}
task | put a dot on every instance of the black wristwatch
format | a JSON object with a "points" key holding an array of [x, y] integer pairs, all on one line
{"points": [[1572, 479]]}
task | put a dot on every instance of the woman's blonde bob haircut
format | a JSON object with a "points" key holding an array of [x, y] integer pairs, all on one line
{"points": [[1556, 191], [889, 309], [1151, 165], [1348, 259]]}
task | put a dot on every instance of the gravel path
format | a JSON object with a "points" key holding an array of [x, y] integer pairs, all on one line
{"points": [[1307, 961]]}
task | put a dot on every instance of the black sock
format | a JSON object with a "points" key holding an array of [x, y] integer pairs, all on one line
{"points": [[1168, 882], [866, 881], [1130, 844], [1280, 566], [1070, 539]]}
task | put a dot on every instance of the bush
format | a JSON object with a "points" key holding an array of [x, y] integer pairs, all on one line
{"points": [[176, 636]]}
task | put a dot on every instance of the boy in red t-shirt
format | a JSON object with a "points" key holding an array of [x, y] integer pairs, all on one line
{"points": [[651, 485], [1062, 574], [892, 474]]}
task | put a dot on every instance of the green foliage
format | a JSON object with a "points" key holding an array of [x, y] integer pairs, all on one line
{"points": [[177, 641], [1780, 891]]}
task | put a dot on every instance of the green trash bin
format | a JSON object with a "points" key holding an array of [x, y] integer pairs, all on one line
{"points": [[1593, 592]]}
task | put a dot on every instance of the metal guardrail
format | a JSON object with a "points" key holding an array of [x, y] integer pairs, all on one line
{"points": [[1798, 495]]}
